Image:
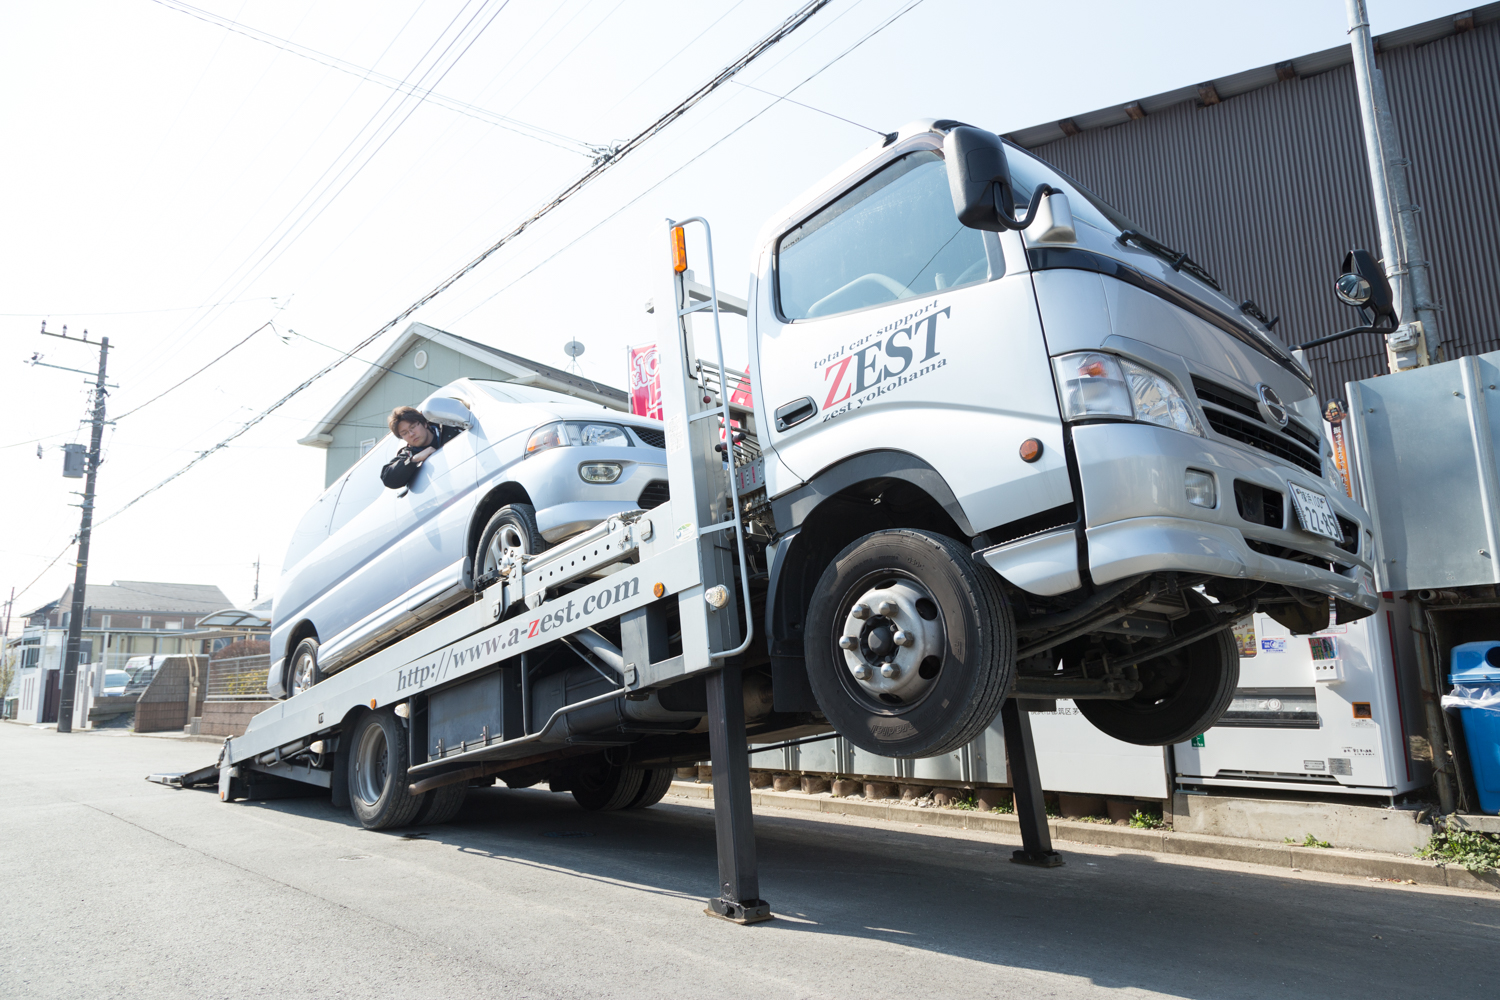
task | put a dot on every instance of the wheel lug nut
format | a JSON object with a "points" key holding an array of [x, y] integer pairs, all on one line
{"points": [[902, 638], [861, 672], [889, 669], [847, 642], [860, 611], [888, 608]]}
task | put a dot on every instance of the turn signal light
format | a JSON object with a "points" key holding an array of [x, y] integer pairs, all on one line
{"points": [[679, 249], [1031, 450]]}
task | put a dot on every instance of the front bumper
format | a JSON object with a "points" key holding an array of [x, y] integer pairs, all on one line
{"points": [[575, 505], [1138, 520]]}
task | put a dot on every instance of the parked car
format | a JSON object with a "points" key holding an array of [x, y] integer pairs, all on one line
{"points": [[531, 467], [140, 670], [115, 682]]}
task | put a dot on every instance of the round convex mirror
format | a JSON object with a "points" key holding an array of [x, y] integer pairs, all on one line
{"points": [[1352, 290]]}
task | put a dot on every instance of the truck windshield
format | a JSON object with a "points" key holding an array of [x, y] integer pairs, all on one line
{"points": [[892, 237]]}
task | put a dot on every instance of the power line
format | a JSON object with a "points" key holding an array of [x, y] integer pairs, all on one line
{"points": [[526, 129], [788, 26], [195, 374], [809, 107], [136, 312]]}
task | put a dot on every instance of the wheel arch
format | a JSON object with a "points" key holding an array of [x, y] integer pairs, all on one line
{"points": [[866, 492], [304, 629], [508, 492]]}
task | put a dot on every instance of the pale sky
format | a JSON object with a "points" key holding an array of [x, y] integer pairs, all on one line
{"points": [[174, 185]]}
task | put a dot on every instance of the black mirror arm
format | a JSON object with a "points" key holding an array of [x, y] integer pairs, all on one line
{"points": [[1009, 221], [1341, 335]]}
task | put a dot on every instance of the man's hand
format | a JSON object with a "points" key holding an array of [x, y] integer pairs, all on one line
{"points": [[422, 455]]}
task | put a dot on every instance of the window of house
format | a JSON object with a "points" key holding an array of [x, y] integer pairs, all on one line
{"points": [[172, 625], [893, 237], [104, 621], [145, 622], [366, 445]]}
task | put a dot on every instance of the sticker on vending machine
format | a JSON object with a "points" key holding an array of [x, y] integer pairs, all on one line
{"points": [[1273, 645]]}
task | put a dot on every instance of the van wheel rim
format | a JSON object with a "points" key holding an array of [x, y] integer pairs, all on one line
{"points": [[302, 673], [505, 551], [371, 765], [893, 642]]}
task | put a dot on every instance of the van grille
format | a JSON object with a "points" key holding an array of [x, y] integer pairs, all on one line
{"points": [[655, 494], [1294, 443], [651, 436]]}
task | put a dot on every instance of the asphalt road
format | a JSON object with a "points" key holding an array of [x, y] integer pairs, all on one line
{"points": [[113, 886]]}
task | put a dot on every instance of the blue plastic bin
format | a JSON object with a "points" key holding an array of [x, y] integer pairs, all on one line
{"points": [[1477, 664]]}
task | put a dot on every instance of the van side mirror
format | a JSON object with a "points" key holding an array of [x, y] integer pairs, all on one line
{"points": [[1362, 284], [979, 181], [446, 411]]}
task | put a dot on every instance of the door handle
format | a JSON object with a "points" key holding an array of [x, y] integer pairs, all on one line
{"points": [[793, 413]]}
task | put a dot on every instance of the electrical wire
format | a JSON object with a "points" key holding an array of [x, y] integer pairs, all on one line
{"points": [[789, 25], [526, 129], [809, 107], [195, 374], [673, 58], [135, 312]]}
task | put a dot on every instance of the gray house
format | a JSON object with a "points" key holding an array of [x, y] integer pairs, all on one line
{"points": [[420, 361]]}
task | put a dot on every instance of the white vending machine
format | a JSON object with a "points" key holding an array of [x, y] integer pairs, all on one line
{"points": [[1333, 712]]}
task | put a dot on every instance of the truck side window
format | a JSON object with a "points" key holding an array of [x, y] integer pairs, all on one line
{"points": [[893, 237]]}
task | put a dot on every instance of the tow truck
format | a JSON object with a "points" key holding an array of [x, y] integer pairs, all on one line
{"points": [[1004, 448]]}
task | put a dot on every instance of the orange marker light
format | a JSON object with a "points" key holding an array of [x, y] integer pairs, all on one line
{"points": [[1031, 450], [660, 590], [679, 249], [1092, 370], [372, 702]]}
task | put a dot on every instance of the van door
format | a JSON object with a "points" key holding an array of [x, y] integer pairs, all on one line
{"points": [[884, 324], [438, 508]]}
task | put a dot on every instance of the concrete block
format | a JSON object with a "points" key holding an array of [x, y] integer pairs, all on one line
{"points": [[989, 798], [812, 785], [688, 773], [845, 787], [912, 792], [705, 772], [881, 790], [1345, 825], [1120, 810], [949, 796], [760, 779], [1073, 806], [786, 783]]}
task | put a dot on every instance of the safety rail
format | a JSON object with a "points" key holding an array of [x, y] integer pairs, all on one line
{"points": [[238, 678]]}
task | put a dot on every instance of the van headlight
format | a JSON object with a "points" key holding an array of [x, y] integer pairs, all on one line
{"points": [[577, 433], [1094, 384]]}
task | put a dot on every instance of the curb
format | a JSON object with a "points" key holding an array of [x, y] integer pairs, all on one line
{"points": [[1330, 861]]}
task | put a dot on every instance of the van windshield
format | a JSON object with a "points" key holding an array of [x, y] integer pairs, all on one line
{"points": [[510, 392]]}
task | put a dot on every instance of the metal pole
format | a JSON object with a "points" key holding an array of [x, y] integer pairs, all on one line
{"points": [[69, 680], [1406, 347], [1026, 783]]}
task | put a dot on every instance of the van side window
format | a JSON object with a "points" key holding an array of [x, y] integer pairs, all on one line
{"points": [[893, 237], [362, 484]]}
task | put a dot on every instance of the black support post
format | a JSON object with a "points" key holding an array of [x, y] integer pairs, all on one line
{"points": [[734, 825], [1031, 809]]}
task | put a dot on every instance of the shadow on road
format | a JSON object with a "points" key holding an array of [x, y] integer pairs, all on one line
{"points": [[1119, 920]]}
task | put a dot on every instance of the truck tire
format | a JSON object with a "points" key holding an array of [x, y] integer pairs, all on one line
{"points": [[944, 682], [442, 804], [1185, 692], [511, 527], [607, 786], [377, 773], [302, 670], [657, 782]]}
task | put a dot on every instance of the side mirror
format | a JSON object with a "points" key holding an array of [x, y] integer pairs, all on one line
{"points": [[1363, 285], [446, 411], [978, 177]]}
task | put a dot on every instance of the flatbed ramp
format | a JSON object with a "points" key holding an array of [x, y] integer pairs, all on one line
{"points": [[652, 611]]}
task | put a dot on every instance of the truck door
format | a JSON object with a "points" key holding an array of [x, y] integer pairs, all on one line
{"points": [[884, 324]]}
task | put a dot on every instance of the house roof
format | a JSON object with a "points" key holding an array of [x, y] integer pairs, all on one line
{"points": [[522, 370], [1214, 91], [141, 595]]}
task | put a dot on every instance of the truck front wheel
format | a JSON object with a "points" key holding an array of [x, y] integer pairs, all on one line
{"points": [[1182, 694], [377, 773], [910, 644]]}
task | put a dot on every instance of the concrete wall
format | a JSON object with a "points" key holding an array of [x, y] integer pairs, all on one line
{"points": [[404, 385]]}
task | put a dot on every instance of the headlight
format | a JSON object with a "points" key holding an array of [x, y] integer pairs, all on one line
{"points": [[600, 472], [565, 433], [1094, 384]]}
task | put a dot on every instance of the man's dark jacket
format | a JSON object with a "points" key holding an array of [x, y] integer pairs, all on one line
{"points": [[401, 470]]}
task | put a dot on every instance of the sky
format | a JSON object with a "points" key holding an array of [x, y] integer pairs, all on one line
{"points": [[182, 187]]}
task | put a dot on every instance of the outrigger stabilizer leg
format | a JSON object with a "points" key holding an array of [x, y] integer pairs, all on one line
{"points": [[734, 825], [1031, 810]]}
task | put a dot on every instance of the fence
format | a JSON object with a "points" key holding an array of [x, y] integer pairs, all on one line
{"points": [[239, 678]]}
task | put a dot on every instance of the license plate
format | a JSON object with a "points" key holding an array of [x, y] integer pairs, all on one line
{"points": [[1315, 514]]}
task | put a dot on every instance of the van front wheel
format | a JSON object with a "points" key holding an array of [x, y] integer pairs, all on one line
{"points": [[910, 645]]}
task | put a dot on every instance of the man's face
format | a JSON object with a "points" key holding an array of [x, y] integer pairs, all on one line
{"points": [[414, 434]]}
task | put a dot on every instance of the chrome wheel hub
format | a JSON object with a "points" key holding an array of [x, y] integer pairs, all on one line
{"points": [[893, 641], [302, 673], [371, 763], [507, 550]]}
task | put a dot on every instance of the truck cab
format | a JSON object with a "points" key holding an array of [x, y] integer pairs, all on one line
{"points": [[1115, 457]]}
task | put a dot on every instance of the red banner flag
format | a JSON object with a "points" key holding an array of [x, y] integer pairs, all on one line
{"points": [[645, 381]]}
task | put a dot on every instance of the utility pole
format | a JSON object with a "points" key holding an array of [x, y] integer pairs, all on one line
{"points": [[69, 685], [1400, 244], [9, 607], [255, 597]]}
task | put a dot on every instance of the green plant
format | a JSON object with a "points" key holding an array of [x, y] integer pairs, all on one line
{"points": [[1470, 850], [1308, 841], [1147, 818], [968, 803], [1006, 806]]}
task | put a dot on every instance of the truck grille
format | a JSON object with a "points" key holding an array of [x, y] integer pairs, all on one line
{"points": [[655, 494], [651, 436], [1227, 411]]}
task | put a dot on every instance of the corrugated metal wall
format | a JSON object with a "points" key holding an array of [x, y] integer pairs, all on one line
{"points": [[1269, 190]]}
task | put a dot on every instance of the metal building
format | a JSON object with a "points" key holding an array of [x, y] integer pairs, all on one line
{"points": [[1261, 176]]}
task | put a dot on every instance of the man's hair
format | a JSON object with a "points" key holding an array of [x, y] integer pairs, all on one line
{"points": [[405, 415]]}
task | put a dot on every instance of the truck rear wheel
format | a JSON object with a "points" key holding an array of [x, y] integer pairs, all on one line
{"points": [[653, 788], [606, 786], [1184, 692], [910, 644], [442, 804], [377, 773]]}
